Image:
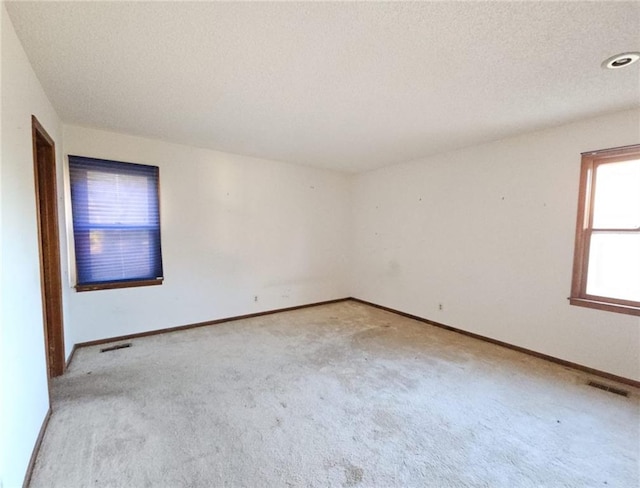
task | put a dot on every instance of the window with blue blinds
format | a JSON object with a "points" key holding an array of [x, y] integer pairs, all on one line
{"points": [[116, 223]]}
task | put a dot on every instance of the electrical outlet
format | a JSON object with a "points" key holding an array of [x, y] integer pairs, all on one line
{"points": [[255, 298], [440, 307]]}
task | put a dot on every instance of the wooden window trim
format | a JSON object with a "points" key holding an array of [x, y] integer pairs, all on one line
{"points": [[118, 284], [584, 228]]}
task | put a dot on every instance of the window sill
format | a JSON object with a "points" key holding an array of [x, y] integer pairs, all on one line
{"points": [[120, 284], [608, 306]]}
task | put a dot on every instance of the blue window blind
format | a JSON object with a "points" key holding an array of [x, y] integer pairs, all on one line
{"points": [[116, 221]]}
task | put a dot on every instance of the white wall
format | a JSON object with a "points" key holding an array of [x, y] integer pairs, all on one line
{"points": [[24, 398], [233, 228], [488, 231]]}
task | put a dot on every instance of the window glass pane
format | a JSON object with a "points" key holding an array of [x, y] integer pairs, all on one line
{"points": [[118, 255], [614, 266], [617, 198], [118, 199]]}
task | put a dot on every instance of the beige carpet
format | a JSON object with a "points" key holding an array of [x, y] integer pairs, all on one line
{"points": [[337, 395]]}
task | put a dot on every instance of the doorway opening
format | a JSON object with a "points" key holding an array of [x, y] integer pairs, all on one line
{"points": [[44, 161]]}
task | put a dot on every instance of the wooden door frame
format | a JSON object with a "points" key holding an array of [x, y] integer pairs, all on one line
{"points": [[44, 164]]}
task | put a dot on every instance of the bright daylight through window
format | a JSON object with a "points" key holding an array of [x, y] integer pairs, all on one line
{"points": [[606, 272], [116, 223]]}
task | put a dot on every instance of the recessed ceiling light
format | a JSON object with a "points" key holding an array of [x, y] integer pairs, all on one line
{"points": [[620, 60]]}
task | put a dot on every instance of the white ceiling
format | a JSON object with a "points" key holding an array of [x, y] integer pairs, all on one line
{"points": [[350, 86]]}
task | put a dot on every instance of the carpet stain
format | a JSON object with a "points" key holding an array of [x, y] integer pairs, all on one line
{"points": [[353, 475], [386, 420]]}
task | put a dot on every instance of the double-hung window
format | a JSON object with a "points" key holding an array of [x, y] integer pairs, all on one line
{"points": [[606, 270], [116, 223]]}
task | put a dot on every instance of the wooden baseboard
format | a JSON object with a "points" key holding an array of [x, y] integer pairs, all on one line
{"points": [[201, 324], [70, 358], [36, 449], [562, 362]]}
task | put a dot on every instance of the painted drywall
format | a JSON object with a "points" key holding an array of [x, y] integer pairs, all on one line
{"points": [[488, 232], [24, 392], [233, 228]]}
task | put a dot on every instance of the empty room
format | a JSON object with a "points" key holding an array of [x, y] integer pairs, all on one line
{"points": [[311, 244]]}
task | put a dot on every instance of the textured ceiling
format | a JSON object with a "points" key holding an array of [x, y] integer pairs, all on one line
{"points": [[350, 86]]}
